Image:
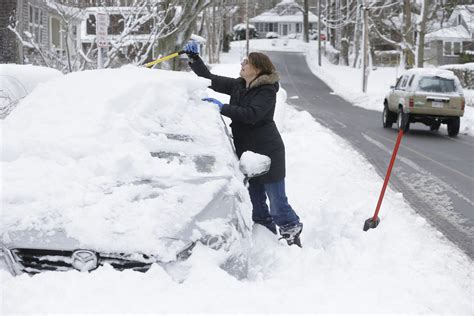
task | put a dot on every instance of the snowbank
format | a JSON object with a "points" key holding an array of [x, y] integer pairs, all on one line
{"points": [[29, 76], [16, 81]]}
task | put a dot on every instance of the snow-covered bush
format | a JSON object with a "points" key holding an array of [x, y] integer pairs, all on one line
{"points": [[465, 73], [272, 35], [240, 31]]}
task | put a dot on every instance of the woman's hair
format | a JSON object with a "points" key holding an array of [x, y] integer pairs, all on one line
{"points": [[262, 63]]}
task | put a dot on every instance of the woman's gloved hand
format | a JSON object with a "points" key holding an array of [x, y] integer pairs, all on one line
{"points": [[215, 101], [191, 49]]}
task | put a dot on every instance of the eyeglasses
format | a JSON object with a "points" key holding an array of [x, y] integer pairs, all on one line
{"points": [[244, 61]]}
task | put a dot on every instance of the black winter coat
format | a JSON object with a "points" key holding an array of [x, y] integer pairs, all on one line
{"points": [[251, 111]]}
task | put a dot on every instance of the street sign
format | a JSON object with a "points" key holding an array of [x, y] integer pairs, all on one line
{"points": [[101, 25]]}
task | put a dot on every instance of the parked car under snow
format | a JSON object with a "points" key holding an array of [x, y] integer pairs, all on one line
{"points": [[17, 81], [126, 167]]}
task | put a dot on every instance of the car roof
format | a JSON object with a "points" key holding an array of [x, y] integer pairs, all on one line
{"points": [[448, 74]]}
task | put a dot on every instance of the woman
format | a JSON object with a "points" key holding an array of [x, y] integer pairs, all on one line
{"points": [[251, 109]]}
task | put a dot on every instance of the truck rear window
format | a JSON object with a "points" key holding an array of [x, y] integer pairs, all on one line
{"points": [[437, 84]]}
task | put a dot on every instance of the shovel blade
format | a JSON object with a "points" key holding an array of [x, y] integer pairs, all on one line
{"points": [[371, 223]]}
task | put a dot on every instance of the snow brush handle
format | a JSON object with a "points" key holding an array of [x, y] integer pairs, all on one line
{"points": [[159, 60]]}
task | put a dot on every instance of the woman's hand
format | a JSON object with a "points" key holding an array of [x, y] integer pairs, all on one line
{"points": [[191, 49], [215, 101]]}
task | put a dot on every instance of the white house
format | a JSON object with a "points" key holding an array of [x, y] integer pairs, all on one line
{"points": [[286, 18], [445, 46]]}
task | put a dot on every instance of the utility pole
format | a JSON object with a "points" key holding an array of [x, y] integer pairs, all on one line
{"points": [[212, 55], [319, 33], [247, 33], [365, 40], [305, 21]]}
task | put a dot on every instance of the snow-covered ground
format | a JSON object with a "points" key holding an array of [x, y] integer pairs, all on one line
{"points": [[403, 266]]}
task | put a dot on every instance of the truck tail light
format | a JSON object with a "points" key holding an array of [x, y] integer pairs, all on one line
{"points": [[463, 104], [411, 102]]}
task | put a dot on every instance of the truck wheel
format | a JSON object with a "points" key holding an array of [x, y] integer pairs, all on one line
{"points": [[387, 117], [453, 126], [403, 120]]}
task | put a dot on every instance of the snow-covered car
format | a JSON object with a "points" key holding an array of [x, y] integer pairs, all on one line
{"points": [[313, 35], [272, 35], [17, 81], [430, 96], [125, 167]]}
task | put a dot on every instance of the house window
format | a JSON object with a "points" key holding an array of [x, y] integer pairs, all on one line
{"points": [[411, 80], [90, 25], [35, 23], [456, 48], [116, 24], [55, 33], [298, 27], [452, 48], [399, 82], [404, 81]]}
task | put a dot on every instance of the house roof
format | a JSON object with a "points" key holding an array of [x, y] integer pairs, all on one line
{"points": [[467, 13], [285, 11], [457, 32]]}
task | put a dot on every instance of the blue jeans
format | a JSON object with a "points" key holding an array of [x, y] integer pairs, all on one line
{"points": [[281, 213]]}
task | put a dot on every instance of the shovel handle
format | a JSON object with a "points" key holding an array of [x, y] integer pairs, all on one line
{"points": [[389, 171], [159, 60]]}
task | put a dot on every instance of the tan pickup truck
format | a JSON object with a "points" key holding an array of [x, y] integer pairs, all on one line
{"points": [[429, 96]]}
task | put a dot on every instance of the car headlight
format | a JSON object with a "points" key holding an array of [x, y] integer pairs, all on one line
{"points": [[176, 249], [7, 261]]}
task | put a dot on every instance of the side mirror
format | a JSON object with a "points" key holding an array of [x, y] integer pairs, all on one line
{"points": [[392, 87], [254, 165]]}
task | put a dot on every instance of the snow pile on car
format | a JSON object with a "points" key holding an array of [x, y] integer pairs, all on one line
{"points": [[16, 81], [29, 75], [104, 155]]}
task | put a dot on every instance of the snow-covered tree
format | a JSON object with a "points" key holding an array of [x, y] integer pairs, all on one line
{"points": [[392, 21], [160, 24], [69, 60]]}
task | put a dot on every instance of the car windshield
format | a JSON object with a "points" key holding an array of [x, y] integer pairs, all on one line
{"points": [[180, 142], [437, 84]]}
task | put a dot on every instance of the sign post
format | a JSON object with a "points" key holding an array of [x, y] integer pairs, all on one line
{"points": [[101, 25]]}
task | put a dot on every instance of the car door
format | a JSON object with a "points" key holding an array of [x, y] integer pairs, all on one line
{"points": [[402, 92], [393, 98]]}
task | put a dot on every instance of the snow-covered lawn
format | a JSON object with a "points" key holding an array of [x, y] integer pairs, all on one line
{"points": [[403, 266]]}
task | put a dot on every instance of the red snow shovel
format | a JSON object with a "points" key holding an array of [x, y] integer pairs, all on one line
{"points": [[374, 221]]}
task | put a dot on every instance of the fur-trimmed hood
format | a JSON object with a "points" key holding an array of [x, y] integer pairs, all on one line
{"points": [[265, 79]]}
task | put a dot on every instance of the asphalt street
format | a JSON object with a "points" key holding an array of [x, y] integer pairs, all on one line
{"points": [[434, 172]]}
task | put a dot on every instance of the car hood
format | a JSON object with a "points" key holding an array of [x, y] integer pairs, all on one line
{"points": [[135, 217]]}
